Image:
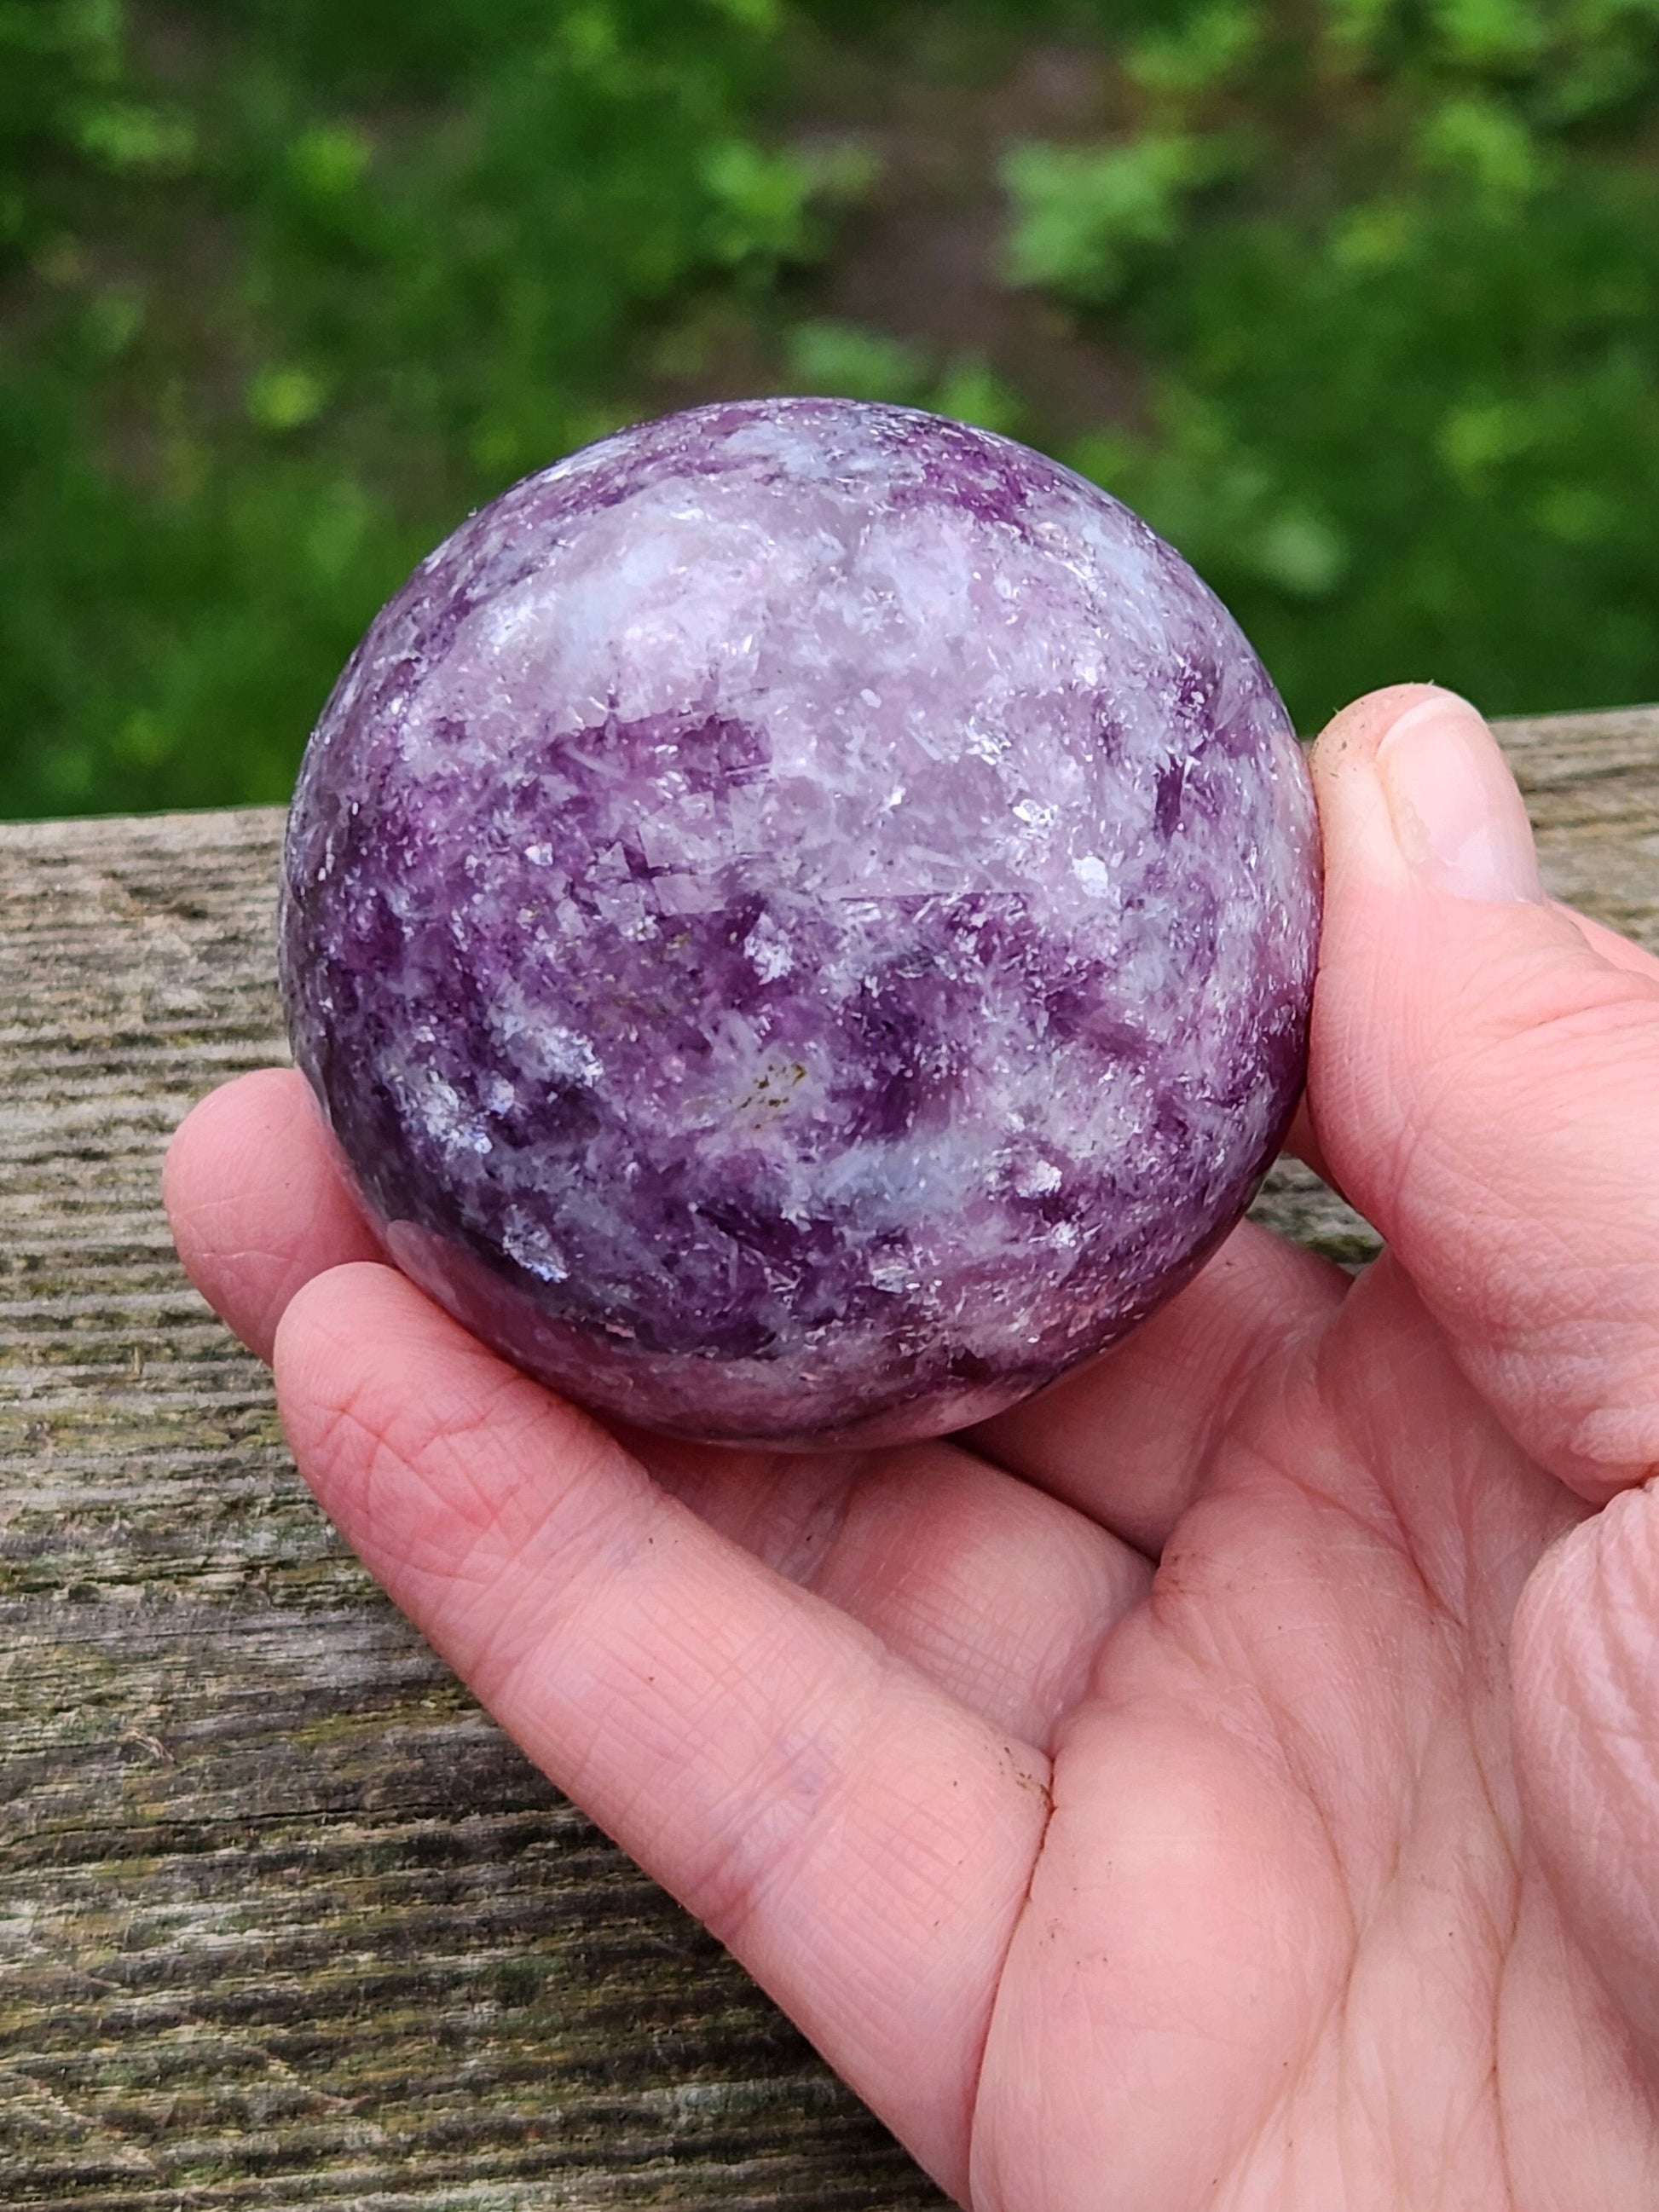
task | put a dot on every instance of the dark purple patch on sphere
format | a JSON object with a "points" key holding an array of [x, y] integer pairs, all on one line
{"points": [[802, 919]]}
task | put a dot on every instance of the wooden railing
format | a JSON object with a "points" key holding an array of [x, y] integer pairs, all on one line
{"points": [[284, 1920]]}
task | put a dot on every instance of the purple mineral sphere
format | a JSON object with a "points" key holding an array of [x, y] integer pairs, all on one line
{"points": [[801, 919]]}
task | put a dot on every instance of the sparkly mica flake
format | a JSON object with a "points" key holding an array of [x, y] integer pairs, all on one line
{"points": [[801, 919]]}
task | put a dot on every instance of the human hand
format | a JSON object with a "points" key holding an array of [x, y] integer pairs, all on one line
{"points": [[1230, 1779]]}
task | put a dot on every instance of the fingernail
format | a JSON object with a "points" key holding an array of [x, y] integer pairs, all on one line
{"points": [[1458, 816]]}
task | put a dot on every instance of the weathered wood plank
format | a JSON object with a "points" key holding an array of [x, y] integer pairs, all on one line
{"points": [[283, 1919]]}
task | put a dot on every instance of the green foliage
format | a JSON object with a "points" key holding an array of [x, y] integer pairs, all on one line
{"points": [[850, 362], [296, 296], [286, 287], [58, 59], [1089, 215], [1401, 339]]}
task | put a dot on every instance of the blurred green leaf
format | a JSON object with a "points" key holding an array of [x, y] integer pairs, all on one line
{"points": [[328, 159], [759, 202], [125, 137], [1199, 54], [1359, 29], [761, 15], [1479, 436], [971, 391], [1081, 214], [114, 319], [1300, 552], [282, 399], [1490, 33], [1479, 141], [849, 363]]}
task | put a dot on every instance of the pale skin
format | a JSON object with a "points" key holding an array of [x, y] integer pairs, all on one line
{"points": [[1229, 1780]]}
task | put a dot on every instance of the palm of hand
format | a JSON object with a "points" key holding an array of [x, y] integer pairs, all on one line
{"points": [[1301, 1870], [1285, 1946]]}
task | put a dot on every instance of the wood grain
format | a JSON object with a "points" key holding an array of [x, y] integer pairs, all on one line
{"points": [[284, 1921]]}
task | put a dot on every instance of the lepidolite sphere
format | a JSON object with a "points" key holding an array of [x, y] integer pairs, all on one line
{"points": [[801, 919]]}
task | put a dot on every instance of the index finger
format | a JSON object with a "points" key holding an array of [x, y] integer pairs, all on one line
{"points": [[255, 1202]]}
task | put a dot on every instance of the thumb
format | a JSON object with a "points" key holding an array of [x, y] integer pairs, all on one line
{"points": [[1484, 1083]]}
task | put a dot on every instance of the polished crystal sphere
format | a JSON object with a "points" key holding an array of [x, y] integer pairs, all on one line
{"points": [[801, 919]]}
